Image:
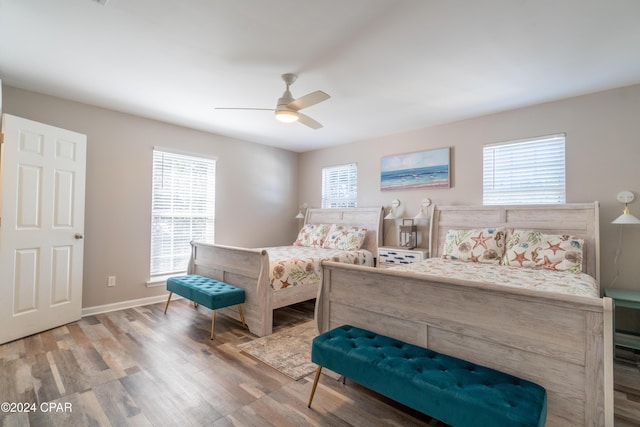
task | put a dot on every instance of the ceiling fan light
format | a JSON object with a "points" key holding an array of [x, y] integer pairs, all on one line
{"points": [[286, 116]]}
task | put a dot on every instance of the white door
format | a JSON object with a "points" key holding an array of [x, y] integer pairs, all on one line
{"points": [[42, 186]]}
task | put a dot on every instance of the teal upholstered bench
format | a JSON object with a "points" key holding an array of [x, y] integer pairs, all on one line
{"points": [[452, 390], [211, 293]]}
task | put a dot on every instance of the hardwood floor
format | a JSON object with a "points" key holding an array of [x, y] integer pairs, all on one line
{"points": [[139, 367], [627, 388]]}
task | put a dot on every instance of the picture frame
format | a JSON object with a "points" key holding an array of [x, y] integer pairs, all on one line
{"points": [[423, 169]]}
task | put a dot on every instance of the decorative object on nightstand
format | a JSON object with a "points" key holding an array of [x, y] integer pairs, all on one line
{"points": [[393, 210], [424, 210], [388, 256], [408, 234]]}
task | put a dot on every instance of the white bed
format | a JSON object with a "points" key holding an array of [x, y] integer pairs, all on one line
{"points": [[562, 341], [271, 282]]}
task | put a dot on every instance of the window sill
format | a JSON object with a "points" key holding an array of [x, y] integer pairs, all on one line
{"points": [[157, 281]]}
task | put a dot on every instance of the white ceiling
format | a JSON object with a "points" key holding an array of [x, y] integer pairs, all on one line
{"points": [[389, 65]]}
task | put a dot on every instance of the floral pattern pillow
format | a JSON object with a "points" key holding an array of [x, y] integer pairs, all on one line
{"points": [[312, 235], [534, 249], [345, 238], [483, 245]]}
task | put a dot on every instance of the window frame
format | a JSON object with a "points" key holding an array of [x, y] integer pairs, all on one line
{"points": [[529, 171], [167, 208], [345, 175]]}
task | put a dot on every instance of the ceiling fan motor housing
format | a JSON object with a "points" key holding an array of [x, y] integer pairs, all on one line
{"points": [[284, 112], [284, 101]]}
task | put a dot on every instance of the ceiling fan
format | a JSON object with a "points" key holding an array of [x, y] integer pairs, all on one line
{"points": [[288, 109]]}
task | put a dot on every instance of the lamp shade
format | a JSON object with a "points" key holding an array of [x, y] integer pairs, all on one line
{"points": [[424, 205], [421, 215], [392, 210], [626, 218]]}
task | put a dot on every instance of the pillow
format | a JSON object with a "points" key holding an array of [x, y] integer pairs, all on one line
{"points": [[345, 238], [534, 249], [483, 245], [312, 235]]}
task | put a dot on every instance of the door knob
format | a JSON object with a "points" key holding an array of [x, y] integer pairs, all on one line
{"points": [[78, 236]]}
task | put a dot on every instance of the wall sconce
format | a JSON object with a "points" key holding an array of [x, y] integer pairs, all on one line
{"points": [[300, 214], [424, 209], [626, 218], [626, 197], [408, 234], [393, 210]]}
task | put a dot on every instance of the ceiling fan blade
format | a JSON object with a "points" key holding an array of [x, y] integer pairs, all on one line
{"points": [[308, 100], [308, 121], [243, 108]]}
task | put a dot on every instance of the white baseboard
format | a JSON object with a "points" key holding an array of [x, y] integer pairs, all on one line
{"points": [[90, 311]]}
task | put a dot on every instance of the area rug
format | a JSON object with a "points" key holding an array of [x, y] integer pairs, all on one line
{"points": [[288, 351]]}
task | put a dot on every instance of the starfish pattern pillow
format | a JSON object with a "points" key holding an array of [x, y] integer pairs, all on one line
{"points": [[483, 245], [534, 249], [312, 235], [344, 238]]}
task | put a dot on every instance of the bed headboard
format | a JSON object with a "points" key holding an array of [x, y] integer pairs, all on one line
{"points": [[578, 219], [369, 218]]}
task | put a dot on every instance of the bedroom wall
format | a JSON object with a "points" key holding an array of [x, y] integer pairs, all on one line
{"points": [[602, 157], [251, 210]]}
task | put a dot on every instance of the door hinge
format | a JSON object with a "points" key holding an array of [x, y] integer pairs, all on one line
{"points": [[1, 138]]}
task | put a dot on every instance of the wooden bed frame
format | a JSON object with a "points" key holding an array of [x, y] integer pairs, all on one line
{"points": [[249, 268], [562, 342]]}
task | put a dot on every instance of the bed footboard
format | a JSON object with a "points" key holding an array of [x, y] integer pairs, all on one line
{"points": [[245, 268], [561, 342]]}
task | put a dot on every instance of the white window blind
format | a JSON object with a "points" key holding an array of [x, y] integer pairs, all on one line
{"points": [[340, 186], [183, 208], [528, 171]]}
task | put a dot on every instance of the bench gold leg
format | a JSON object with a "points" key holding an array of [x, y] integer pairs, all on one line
{"points": [[315, 384], [213, 322], [168, 300], [244, 325]]}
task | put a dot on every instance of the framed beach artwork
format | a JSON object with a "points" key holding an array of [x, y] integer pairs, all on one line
{"points": [[416, 170]]}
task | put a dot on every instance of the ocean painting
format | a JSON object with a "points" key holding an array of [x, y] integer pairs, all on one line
{"points": [[415, 170]]}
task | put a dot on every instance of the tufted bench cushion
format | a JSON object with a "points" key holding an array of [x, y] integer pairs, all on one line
{"points": [[209, 292], [452, 390]]}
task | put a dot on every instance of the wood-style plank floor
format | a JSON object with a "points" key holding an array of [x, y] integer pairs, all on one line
{"points": [[138, 367]]}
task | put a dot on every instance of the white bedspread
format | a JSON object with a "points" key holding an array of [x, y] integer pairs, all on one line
{"points": [[528, 278], [301, 265]]}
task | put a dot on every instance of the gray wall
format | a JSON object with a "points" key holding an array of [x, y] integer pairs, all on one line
{"points": [[602, 153], [255, 195]]}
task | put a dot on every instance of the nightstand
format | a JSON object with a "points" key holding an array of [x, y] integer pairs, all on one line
{"points": [[628, 299], [388, 256]]}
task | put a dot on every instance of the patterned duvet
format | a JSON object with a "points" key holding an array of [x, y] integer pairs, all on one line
{"points": [[527, 278], [301, 265]]}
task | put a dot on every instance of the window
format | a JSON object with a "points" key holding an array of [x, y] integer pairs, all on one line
{"points": [[182, 208], [340, 186], [530, 171]]}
